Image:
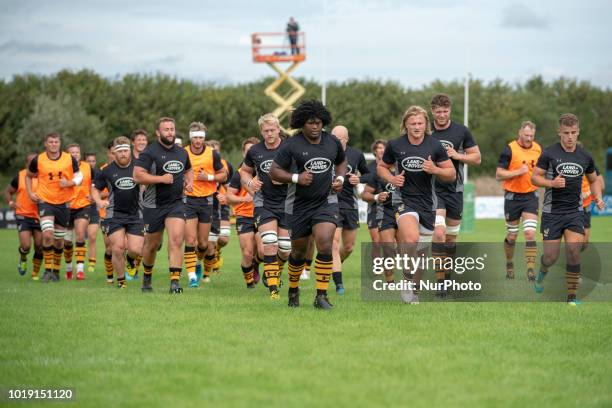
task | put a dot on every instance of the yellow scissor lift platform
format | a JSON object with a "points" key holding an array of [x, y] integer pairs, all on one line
{"points": [[274, 49]]}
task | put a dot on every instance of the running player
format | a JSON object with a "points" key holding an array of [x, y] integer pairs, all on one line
{"points": [[26, 213], [165, 169], [241, 198], [378, 148], [269, 200], [57, 173], [108, 250], [208, 171], [307, 161], [461, 149], [80, 210], [515, 168], [560, 169], [587, 199], [423, 157], [94, 222], [348, 199], [220, 228], [123, 222]]}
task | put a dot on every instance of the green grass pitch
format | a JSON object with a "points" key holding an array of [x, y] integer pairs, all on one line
{"points": [[221, 345]]}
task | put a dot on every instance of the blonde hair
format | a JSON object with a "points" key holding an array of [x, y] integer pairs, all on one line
{"points": [[269, 118], [414, 111], [121, 140], [197, 126]]}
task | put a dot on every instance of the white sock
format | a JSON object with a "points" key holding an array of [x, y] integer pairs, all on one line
{"points": [[192, 275]]}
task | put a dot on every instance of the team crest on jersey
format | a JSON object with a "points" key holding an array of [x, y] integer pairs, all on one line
{"points": [[570, 170], [349, 169], [125, 183], [413, 163], [318, 165], [447, 144], [389, 187], [265, 166], [173, 166]]}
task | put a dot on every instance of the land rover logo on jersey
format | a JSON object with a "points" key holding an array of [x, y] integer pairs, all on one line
{"points": [[173, 166], [125, 183], [570, 170], [447, 144], [349, 169], [318, 165], [390, 187], [265, 166], [413, 163]]}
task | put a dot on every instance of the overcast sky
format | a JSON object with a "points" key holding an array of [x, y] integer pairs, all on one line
{"points": [[410, 42]]}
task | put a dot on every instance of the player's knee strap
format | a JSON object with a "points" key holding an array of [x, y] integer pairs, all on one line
{"points": [[269, 238], [530, 225], [453, 229], [59, 234], [213, 237], [512, 229], [225, 231], [440, 221], [46, 225], [68, 236], [284, 244]]}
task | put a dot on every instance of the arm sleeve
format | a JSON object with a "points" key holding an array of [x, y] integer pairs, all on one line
{"points": [[591, 166], [283, 156], [543, 161], [217, 165], [341, 156], [388, 157], [187, 161], [15, 182], [100, 180], [248, 159], [144, 160], [468, 139], [230, 170], [33, 167], [362, 166], [505, 157], [235, 181], [75, 165]]}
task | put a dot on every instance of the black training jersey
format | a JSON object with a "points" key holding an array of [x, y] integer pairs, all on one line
{"points": [[572, 166], [379, 186], [355, 164], [296, 155], [123, 191], [158, 160], [418, 188], [459, 138], [260, 158], [367, 179]]}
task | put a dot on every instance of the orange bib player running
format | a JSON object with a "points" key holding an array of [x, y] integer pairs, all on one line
{"points": [[514, 169], [57, 174]]}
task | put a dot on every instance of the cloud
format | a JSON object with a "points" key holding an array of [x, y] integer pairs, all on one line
{"points": [[521, 16], [21, 48]]}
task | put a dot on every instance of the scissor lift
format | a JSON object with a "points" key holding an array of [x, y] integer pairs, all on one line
{"points": [[274, 49]]}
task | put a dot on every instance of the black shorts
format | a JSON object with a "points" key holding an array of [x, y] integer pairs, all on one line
{"points": [[553, 225], [79, 213], [426, 217], [60, 213], [348, 219], [386, 218], [245, 225], [200, 208], [372, 222], [301, 223], [587, 217], [27, 223], [515, 204], [451, 202], [224, 212], [94, 214], [263, 215], [132, 225], [154, 218]]}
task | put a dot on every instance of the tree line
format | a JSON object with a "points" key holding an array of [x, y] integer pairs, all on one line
{"points": [[89, 109]]}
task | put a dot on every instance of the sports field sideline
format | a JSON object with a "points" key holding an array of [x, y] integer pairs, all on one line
{"points": [[221, 344]]}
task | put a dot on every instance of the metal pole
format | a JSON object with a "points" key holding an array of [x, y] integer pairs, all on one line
{"points": [[324, 85], [466, 110]]}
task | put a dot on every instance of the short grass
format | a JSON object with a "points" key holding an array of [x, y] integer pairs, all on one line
{"points": [[222, 345]]}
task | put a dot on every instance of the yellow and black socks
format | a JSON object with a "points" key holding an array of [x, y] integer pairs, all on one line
{"points": [[108, 267], [121, 282], [271, 271], [190, 259], [23, 254], [572, 280], [92, 263], [148, 269], [509, 251], [438, 253], [294, 270], [48, 257], [68, 251], [80, 252], [247, 272], [36, 261], [307, 264], [209, 262], [137, 262], [175, 274], [57, 259], [323, 270], [531, 251]]}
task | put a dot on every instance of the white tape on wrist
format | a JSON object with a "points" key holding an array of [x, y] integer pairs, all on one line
{"points": [[294, 178], [376, 197], [210, 177], [340, 179]]}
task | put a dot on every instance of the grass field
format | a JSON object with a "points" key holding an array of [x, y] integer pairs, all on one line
{"points": [[225, 346]]}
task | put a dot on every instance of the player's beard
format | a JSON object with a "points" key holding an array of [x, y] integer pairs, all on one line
{"points": [[167, 141]]}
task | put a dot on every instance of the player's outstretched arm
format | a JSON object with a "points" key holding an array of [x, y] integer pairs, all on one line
{"points": [[538, 179], [97, 197], [233, 197], [470, 156], [502, 174], [141, 176]]}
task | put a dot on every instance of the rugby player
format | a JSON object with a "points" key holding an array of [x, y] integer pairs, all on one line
{"points": [[515, 168], [57, 174], [560, 169], [26, 214], [269, 201], [94, 222], [307, 161], [423, 157], [165, 169]]}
